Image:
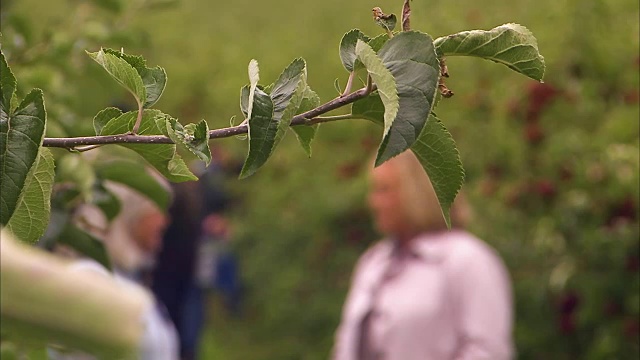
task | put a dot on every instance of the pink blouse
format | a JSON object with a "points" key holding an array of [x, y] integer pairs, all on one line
{"points": [[446, 298]]}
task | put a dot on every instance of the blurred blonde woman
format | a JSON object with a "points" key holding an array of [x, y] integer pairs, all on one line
{"points": [[424, 292]]}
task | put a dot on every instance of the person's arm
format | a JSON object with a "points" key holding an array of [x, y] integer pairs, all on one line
{"points": [[484, 306]]}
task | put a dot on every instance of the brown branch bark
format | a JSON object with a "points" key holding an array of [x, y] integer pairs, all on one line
{"points": [[298, 120]]}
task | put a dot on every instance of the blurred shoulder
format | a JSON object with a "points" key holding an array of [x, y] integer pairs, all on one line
{"points": [[465, 249], [375, 252]]}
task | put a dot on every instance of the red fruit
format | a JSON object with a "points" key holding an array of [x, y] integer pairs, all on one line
{"points": [[355, 235], [546, 189], [488, 187], [533, 133], [494, 170], [568, 303], [348, 170], [612, 308], [565, 173], [540, 95], [632, 328], [567, 324], [369, 143], [515, 195], [632, 97], [624, 211], [633, 263]]}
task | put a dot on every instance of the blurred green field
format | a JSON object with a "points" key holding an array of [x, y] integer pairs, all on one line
{"points": [[548, 194]]}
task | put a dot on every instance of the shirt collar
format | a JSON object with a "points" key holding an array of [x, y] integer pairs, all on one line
{"points": [[428, 247]]}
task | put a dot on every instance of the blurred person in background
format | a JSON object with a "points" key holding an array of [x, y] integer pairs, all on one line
{"points": [[192, 259], [135, 235], [132, 240], [424, 292]]}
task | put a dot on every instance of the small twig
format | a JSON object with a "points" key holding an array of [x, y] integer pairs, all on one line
{"points": [[369, 87], [406, 14], [444, 73], [347, 89], [136, 126], [301, 119], [444, 70]]}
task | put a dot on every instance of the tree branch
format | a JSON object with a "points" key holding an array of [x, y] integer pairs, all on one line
{"points": [[306, 118]]}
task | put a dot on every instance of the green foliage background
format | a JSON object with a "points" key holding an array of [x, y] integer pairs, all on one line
{"points": [[552, 170]]}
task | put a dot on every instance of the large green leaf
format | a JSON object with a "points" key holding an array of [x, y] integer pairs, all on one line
{"points": [[384, 81], [437, 152], [31, 216], [287, 94], [411, 59], [154, 79], [348, 48], [510, 44], [262, 132], [21, 135], [7, 85], [162, 156], [136, 177], [125, 74], [306, 134]]}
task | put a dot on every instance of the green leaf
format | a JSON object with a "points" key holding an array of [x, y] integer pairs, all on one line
{"points": [[84, 243], [31, 216], [510, 44], [103, 117], [369, 108], [411, 59], [437, 152], [262, 133], [387, 22], [254, 77], [161, 156], [21, 135], [269, 124], [305, 133], [198, 144], [121, 71], [194, 138], [136, 177], [384, 81], [154, 79], [106, 201], [287, 94], [7, 84], [75, 169], [348, 48], [377, 42]]}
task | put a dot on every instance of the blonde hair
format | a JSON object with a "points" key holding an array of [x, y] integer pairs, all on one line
{"points": [[419, 199]]}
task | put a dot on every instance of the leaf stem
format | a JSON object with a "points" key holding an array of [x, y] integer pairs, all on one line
{"points": [[323, 119], [136, 126], [347, 89]]}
